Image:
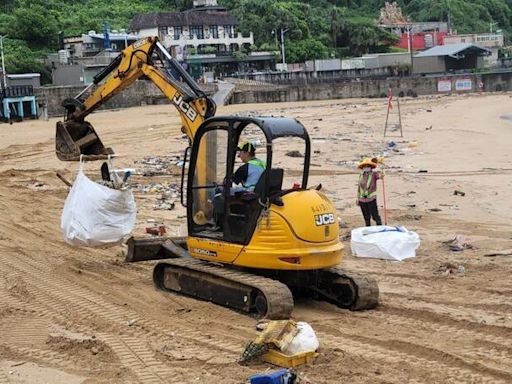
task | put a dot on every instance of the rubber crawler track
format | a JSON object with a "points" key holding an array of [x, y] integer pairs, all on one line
{"points": [[278, 296]]}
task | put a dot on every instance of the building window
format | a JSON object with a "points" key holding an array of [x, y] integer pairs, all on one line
{"points": [[197, 30], [214, 31], [162, 31], [229, 30], [177, 32]]}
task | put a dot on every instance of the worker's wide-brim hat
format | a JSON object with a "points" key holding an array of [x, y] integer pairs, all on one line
{"points": [[366, 163]]}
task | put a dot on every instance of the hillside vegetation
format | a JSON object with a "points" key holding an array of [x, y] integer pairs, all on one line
{"points": [[315, 28]]}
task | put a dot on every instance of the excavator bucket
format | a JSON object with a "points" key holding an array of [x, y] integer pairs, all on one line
{"points": [[75, 138]]}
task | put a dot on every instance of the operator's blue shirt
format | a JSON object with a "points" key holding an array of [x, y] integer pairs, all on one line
{"points": [[248, 175]]}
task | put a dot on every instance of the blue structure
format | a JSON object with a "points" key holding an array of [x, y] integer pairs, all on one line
{"points": [[106, 41], [13, 100], [14, 106]]}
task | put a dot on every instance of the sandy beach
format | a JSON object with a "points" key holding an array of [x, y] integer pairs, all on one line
{"points": [[82, 315]]}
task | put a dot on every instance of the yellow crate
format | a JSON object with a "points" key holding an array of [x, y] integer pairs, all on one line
{"points": [[282, 360]]}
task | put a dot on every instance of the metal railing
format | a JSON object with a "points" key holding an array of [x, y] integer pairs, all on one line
{"points": [[17, 91]]}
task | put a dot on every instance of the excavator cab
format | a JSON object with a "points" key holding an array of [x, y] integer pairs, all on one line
{"points": [[218, 208]]}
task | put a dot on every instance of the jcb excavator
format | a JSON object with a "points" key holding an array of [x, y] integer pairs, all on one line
{"points": [[270, 244]]}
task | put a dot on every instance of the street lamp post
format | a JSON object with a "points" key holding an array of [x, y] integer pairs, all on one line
{"points": [[3, 60], [283, 31]]}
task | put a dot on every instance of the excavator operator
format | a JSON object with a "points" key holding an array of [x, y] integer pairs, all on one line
{"points": [[247, 175]]}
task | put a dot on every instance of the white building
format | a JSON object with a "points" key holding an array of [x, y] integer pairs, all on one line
{"points": [[204, 37]]}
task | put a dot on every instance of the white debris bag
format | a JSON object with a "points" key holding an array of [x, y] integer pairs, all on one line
{"points": [[95, 215], [304, 341], [384, 242]]}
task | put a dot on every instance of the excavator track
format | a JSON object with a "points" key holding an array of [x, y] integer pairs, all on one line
{"points": [[346, 289], [253, 294]]}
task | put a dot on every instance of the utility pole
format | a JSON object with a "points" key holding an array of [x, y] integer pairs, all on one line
{"points": [[283, 31], [410, 48], [3, 60]]}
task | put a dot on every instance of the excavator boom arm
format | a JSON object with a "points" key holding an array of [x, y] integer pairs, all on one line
{"points": [[76, 137]]}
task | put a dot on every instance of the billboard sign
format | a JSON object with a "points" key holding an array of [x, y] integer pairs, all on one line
{"points": [[463, 85], [444, 86]]}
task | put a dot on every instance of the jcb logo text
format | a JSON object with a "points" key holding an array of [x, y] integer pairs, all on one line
{"points": [[325, 219], [184, 107]]}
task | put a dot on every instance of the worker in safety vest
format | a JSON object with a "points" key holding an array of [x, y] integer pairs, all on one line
{"points": [[367, 191], [248, 174]]}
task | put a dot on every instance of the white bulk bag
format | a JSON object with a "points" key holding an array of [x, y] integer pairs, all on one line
{"points": [[95, 215], [304, 341], [384, 242]]}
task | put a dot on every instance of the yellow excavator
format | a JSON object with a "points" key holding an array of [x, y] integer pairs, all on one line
{"points": [[270, 244]]}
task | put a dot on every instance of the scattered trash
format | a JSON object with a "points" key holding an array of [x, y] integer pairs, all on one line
{"points": [[458, 244], [164, 205], [409, 217], [435, 209], [459, 193], [63, 179], [422, 171], [294, 154], [428, 110], [157, 230], [391, 144], [160, 165], [449, 269], [283, 376], [428, 128]]}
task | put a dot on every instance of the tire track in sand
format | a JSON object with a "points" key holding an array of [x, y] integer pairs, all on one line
{"points": [[422, 358], [63, 297]]}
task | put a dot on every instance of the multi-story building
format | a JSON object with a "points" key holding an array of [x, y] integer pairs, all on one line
{"points": [[82, 57], [92, 43], [205, 38], [492, 41]]}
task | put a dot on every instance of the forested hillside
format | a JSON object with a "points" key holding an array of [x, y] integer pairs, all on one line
{"points": [[316, 28]]}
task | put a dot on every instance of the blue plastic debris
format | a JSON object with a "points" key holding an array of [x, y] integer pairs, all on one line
{"points": [[283, 376]]}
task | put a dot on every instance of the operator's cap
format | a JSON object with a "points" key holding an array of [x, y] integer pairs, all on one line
{"points": [[247, 147]]}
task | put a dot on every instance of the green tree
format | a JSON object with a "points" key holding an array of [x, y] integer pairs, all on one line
{"points": [[303, 50], [35, 24]]}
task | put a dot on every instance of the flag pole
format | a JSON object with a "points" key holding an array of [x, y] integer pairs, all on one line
{"points": [[384, 199]]}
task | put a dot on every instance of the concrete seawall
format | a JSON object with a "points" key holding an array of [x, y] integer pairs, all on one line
{"points": [[144, 92], [405, 86]]}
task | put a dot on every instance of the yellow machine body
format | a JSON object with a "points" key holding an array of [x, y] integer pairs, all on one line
{"points": [[303, 234]]}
